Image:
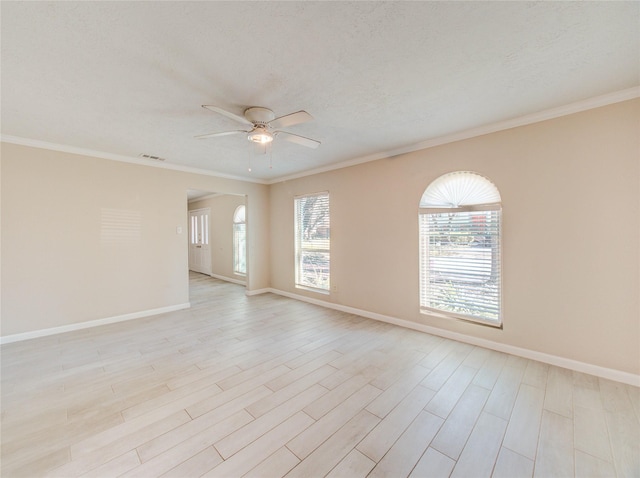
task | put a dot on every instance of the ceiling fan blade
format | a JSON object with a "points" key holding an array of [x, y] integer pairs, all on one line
{"points": [[294, 138], [233, 116], [224, 133], [291, 119]]}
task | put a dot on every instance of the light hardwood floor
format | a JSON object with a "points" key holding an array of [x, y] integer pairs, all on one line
{"points": [[266, 386]]}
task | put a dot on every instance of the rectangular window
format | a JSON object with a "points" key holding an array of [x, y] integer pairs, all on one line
{"points": [[460, 263], [312, 241]]}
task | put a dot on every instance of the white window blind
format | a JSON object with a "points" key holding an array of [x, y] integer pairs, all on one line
{"points": [[460, 256], [312, 241], [239, 241]]}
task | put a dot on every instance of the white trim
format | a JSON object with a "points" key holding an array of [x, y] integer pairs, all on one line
{"points": [[229, 279], [315, 290], [204, 198], [258, 291], [7, 339], [34, 143], [576, 107], [201, 209], [608, 373]]}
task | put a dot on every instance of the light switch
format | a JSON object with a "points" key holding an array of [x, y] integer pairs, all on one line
{"points": [[179, 230]]}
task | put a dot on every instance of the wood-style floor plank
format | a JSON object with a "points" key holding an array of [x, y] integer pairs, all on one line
{"points": [[479, 454], [524, 424], [305, 443], [354, 465], [380, 440], [555, 446], [510, 464], [328, 454], [250, 456], [455, 431], [253, 430], [266, 386], [409, 448], [433, 464]]}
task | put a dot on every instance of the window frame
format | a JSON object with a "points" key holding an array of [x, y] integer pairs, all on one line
{"points": [[299, 249], [236, 223], [424, 256]]}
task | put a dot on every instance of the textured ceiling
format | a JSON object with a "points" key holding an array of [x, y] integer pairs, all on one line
{"points": [[129, 77]]}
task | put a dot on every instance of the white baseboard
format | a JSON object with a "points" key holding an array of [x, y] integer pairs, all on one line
{"points": [[228, 279], [91, 323], [608, 373], [258, 291]]}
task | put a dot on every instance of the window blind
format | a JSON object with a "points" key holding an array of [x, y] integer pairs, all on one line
{"points": [[460, 266], [239, 241], [239, 248], [312, 241]]}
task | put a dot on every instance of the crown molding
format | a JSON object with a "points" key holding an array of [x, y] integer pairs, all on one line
{"points": [[34, 143], [571, 108], [204, 198], [576, 107]]}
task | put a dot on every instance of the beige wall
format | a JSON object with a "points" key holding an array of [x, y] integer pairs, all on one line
{"points": [[222, 209], [571, 233], [571, 212], [63, 261]]}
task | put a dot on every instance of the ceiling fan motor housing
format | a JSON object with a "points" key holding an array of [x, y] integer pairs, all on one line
{"points": [[257, 114]]}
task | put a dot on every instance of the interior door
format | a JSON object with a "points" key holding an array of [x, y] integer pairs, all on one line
{"points": [[199, 250]]}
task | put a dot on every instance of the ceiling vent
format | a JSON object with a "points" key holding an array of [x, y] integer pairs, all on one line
{"points": [[150, 156]]}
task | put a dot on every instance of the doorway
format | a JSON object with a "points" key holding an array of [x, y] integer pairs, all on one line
{"points": [[218, 235]]}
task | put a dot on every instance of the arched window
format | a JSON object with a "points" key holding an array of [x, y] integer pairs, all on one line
{"points": [[460, 258], [240, 241]]}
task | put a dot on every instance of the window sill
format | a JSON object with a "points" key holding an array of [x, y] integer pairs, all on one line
{"points": [[313, 289], [464, 318]]}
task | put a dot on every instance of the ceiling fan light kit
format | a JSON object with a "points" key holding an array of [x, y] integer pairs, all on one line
{"points": [[264, 125], [260, 135]]}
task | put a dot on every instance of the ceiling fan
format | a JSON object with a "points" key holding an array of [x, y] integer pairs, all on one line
{"points": [[264, 125]]}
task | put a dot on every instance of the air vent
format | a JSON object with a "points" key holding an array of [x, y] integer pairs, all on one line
{"points": [[150, 156]]}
